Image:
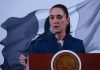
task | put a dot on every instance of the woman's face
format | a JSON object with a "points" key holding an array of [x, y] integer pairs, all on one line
{"points": [[58, 20]]}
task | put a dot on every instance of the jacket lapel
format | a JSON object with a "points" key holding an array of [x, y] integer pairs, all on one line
{"points": [[52, 44]]}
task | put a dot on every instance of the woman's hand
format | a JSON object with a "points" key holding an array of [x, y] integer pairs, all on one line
{"points": [[23, 59]]}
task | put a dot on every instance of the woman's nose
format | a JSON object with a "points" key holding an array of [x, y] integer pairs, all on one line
{"points": [[55, 21]]}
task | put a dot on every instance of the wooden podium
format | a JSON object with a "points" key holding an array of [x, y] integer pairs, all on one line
{"points": [[43, 61]]}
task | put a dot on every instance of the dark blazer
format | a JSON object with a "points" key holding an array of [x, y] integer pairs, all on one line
{"points": [[48, 44]]}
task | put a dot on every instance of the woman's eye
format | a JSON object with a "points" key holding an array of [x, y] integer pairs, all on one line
{"points": [[59, 17], [51, 17]]}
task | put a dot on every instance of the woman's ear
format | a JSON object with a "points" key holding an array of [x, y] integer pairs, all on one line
{"points": [[68, 19]]}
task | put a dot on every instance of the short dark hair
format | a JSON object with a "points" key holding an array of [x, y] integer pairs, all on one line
{"points": [[65, 10]]}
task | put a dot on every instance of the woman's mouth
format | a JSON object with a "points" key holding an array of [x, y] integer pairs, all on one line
{"points": [[56, 27]]}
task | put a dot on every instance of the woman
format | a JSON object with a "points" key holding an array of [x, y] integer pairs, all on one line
{"points": [[58, 37]]}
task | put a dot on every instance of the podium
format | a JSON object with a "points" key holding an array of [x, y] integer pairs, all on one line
{"points": [[43, 61]]}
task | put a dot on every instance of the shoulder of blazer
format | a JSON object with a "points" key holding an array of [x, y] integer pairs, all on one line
{"points": [[74, 39]]}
